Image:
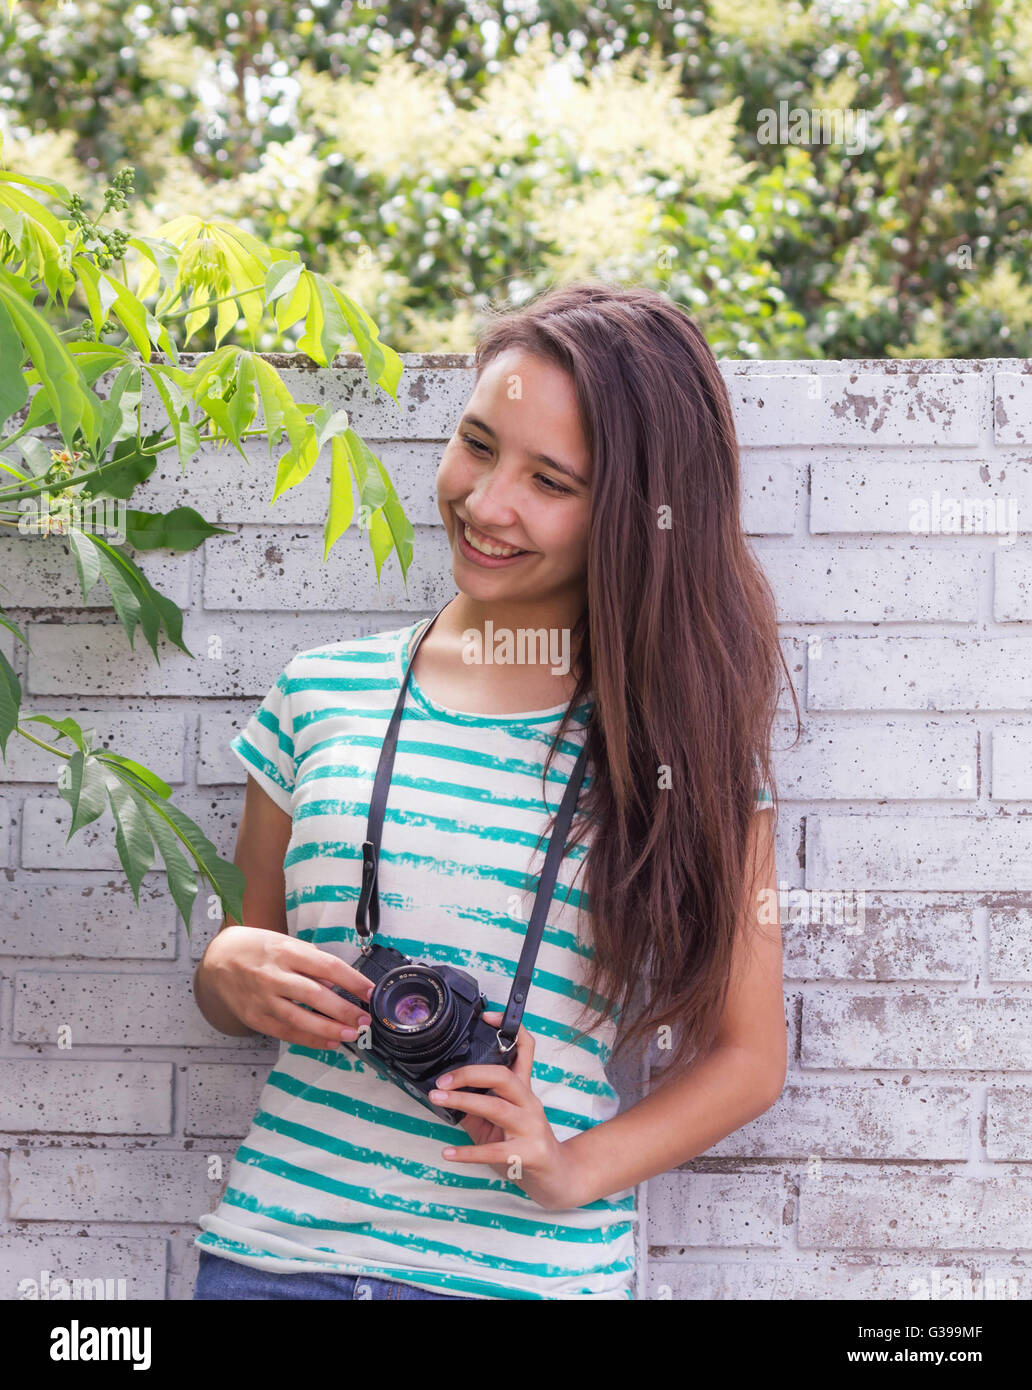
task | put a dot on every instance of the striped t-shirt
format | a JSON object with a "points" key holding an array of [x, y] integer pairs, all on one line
{"points": [[341, 1170]]}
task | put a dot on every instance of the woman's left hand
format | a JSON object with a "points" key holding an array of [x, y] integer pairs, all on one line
{"points": [[508, 1127]]}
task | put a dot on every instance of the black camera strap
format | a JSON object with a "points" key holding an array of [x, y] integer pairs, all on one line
{"points": [[369, 899]]}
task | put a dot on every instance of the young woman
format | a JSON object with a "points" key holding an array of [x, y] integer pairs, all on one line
{"points": [[590, 490]]}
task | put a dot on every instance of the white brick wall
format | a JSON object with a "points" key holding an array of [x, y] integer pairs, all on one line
{"points": [[896, 1159]]}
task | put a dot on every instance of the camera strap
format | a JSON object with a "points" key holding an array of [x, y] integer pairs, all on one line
{"points": [[369, 899]]}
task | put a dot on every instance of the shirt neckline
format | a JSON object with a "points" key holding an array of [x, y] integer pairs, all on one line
{"points": [[458, 716]]}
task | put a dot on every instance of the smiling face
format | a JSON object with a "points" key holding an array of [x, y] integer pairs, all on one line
{"points": [[517, 470]]}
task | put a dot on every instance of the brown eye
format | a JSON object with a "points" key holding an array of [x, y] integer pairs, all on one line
{"points": [[554, 486]]}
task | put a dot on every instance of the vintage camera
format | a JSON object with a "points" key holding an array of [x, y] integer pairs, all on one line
{"points": [[425, 1021]]}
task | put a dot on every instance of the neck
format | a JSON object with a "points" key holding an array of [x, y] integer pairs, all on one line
{"points": [[558, 618]]}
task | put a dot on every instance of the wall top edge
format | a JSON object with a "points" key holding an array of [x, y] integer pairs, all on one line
{"points": [[458, 361]]}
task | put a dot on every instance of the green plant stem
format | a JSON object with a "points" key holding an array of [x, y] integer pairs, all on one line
{"points": [[197, 308], [9, 496], [48, 746]]}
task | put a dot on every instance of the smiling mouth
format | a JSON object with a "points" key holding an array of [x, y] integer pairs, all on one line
{"points": [[485, 546]]}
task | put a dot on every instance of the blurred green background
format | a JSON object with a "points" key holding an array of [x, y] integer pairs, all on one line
{"points": [[433, 158]]}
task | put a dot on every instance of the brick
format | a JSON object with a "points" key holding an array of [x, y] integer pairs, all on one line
{"points": [[883, 584], [1010, 943], [895, 759], [216, 764], [928, 1031], [92, 915], [83, 1184], [221, 1098], [1012, 587], [857, 407], [156, 740], [898, 1211], [855, 1120], [147, 1010], [768, 494], [1012, 407], [925, 496], [1012, 763], [114, 1097], [32, 1265], [844, 1278], [432, 393], [926, 673], [280, 569], [233, 656], [919, 853], [872, 936], [219, 487], [1008, 1129], [46, 819], [721, 1209], [89, 915], [40, 572]]}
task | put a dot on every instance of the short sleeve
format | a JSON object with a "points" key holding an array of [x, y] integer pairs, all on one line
{"points": [[265, 745], [764, 800]]}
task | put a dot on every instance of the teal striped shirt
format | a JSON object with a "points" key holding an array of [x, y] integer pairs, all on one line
{"points": [[341, 1170]]}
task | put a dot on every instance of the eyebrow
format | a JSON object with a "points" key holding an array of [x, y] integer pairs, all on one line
{"points": [[563, 468]]}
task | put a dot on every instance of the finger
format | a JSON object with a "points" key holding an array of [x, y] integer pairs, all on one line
{"points": [[491, 1077], [299, 989], [500, 1112], [313, 961], [499, 1154], [305, 1027], [523, 1066]]}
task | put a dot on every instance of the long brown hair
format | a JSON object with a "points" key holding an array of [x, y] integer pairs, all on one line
{"points": [[678, 644]]}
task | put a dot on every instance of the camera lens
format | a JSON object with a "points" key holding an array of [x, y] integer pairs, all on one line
{"points": [[413, 1015], [411, 1009]]}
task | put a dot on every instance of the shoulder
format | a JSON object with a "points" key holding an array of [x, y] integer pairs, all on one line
{"points": [[375, 651]]}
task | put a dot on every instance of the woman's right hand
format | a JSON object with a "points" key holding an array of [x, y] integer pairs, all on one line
{"points": [[265, 976]]}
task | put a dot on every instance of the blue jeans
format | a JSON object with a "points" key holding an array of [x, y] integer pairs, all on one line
{"points": [[219, 1278]]}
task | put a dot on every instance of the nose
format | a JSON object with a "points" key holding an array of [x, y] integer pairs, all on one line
{"points": [[489, 504]]}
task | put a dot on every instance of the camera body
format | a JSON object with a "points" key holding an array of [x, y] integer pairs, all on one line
{"points": [[425, 1020]]}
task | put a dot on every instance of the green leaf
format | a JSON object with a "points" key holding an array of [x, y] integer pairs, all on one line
{"points": [[74, 404], [13, 627], [132, 838], [180, 529], [164, 259], [121, 409], [84, 788], [185, 432], [383, 365], [13, 389], [390, 528], [36, 455], [124, 765], [325, 325], [342, 500], [66, 728], [47, 185], [181, 881], [87, 561], [128, 467], [135, 600], [364, 464], [281, 278], [10, 700]]}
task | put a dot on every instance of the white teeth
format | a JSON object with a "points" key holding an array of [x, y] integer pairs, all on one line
{"points": [[484, 549]]}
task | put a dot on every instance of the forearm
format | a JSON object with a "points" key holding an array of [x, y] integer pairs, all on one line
{"points": [[683, 1117], [218, 1014]]}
